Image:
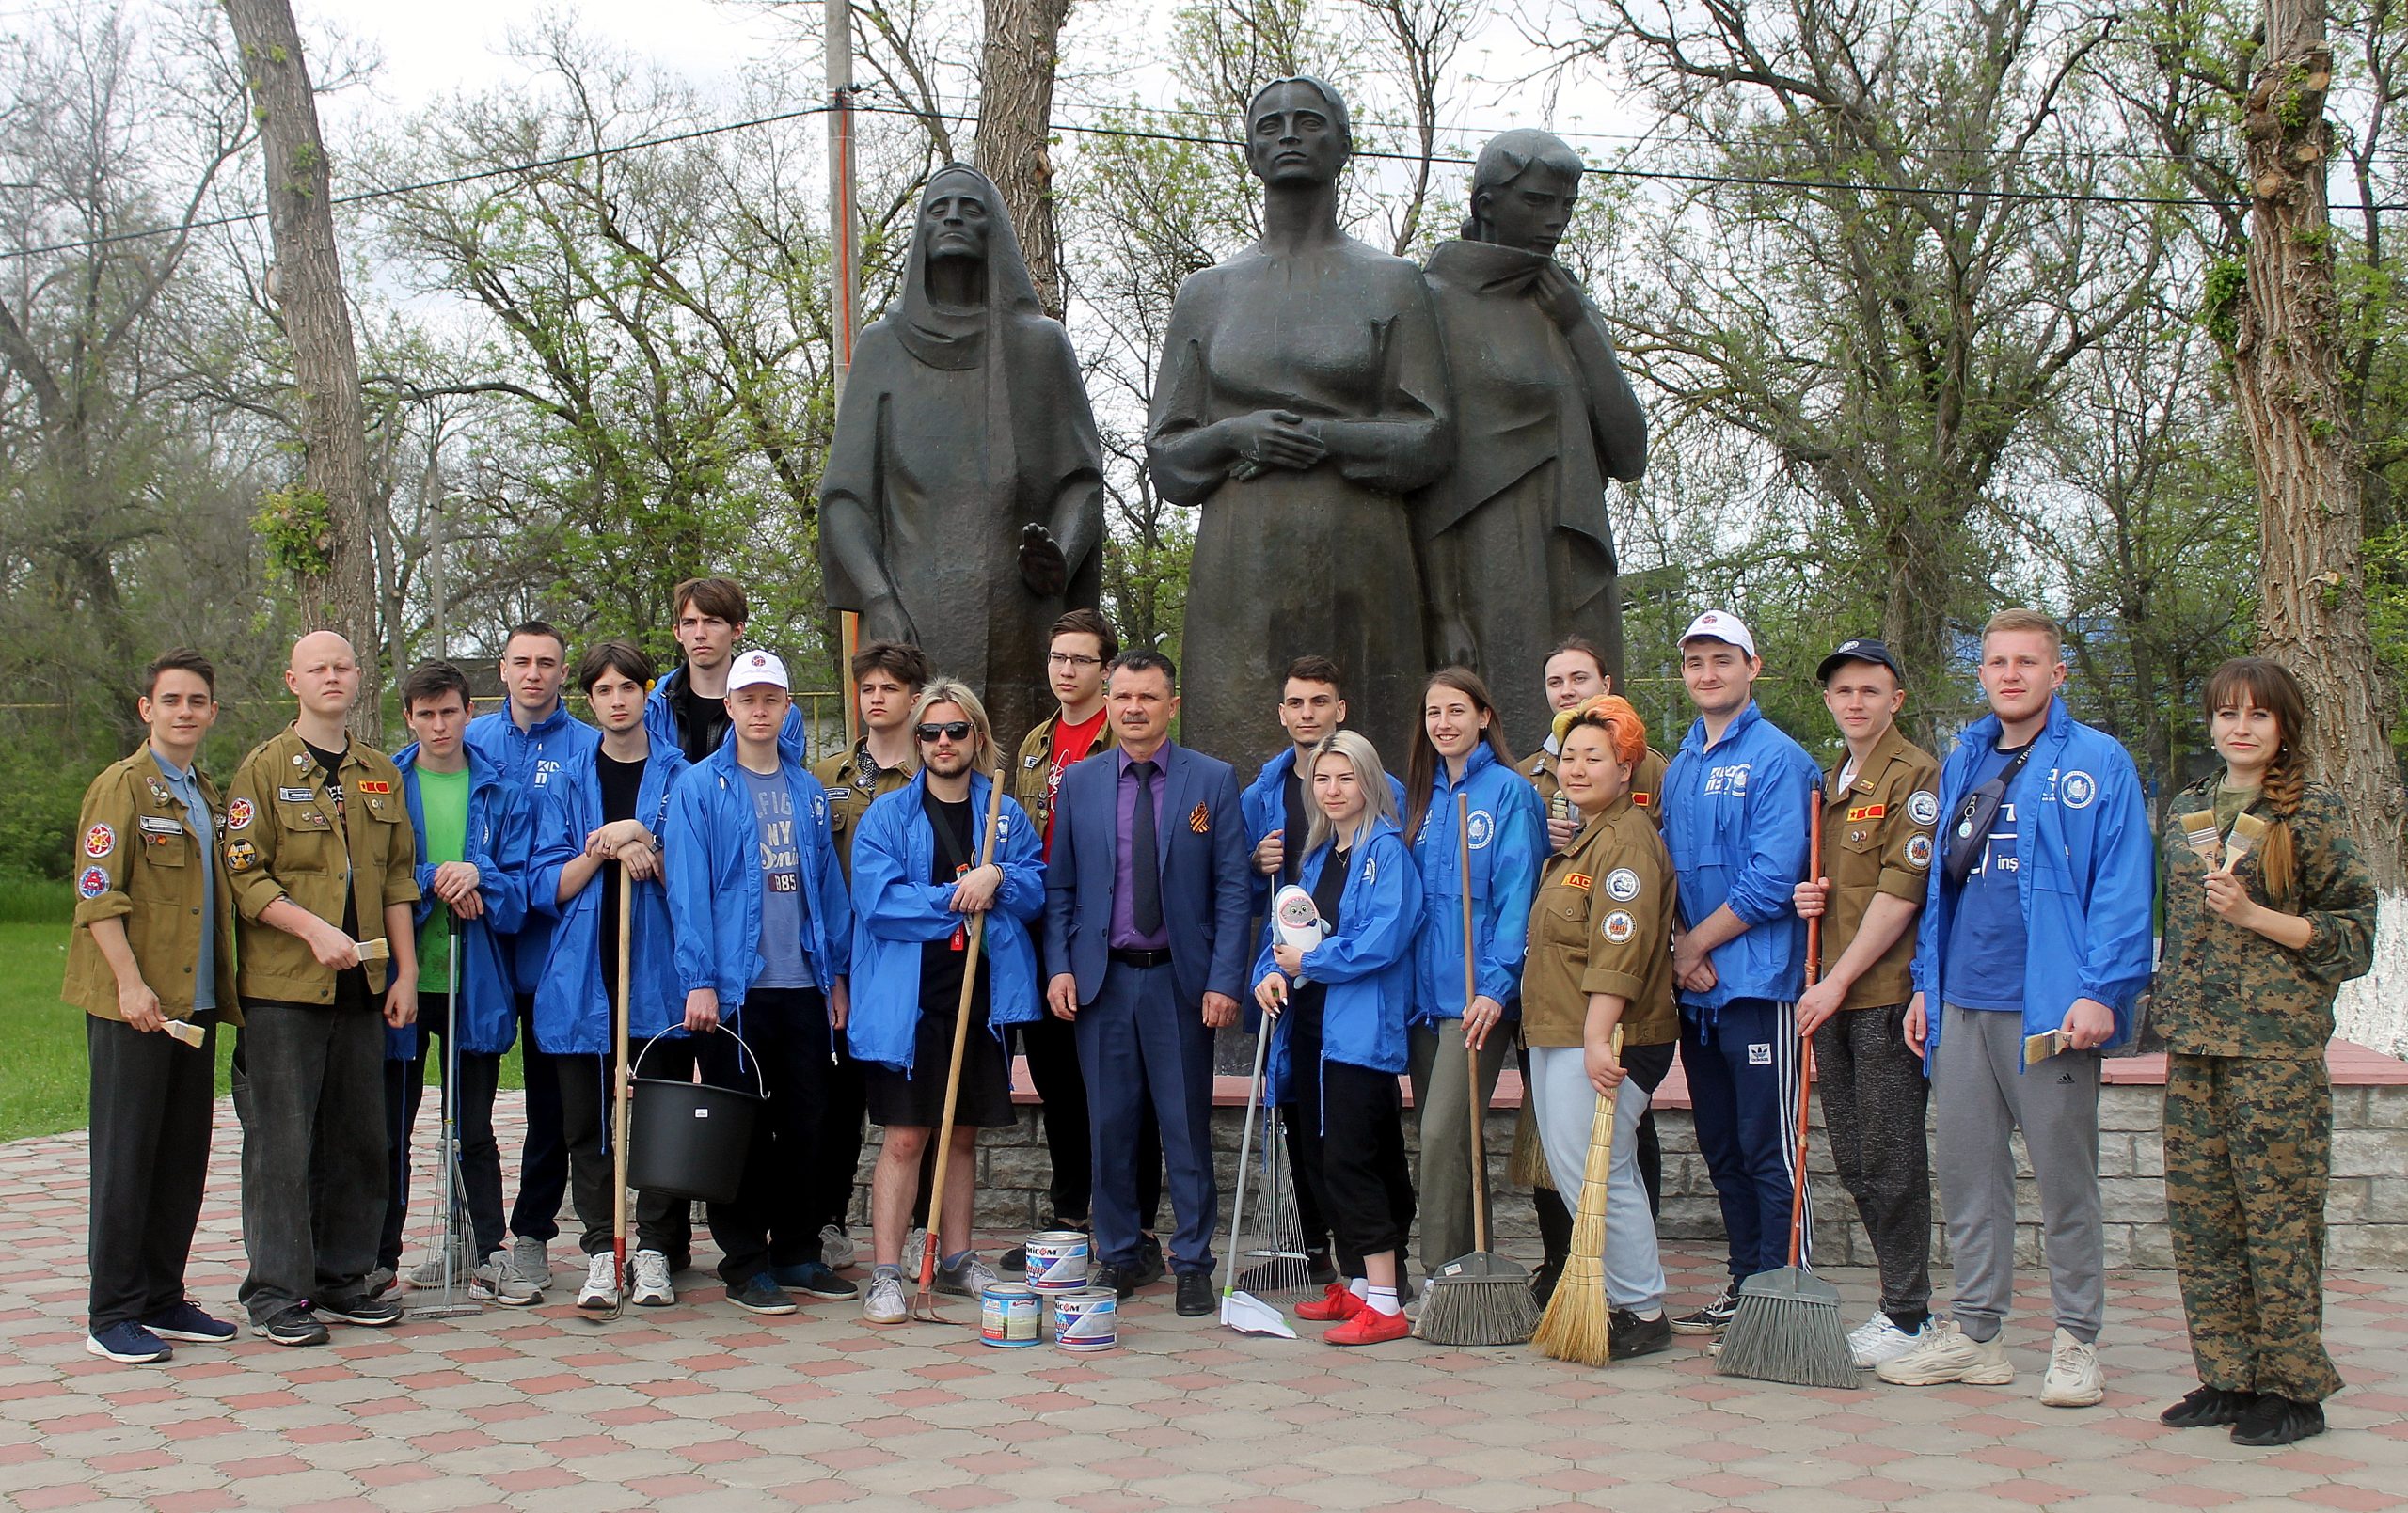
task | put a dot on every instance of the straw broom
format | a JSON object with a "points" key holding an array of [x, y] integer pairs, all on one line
{"points": [[1577, 1324], [1787, 1327], [1480, 1298]]}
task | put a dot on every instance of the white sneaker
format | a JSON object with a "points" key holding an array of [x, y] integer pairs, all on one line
{"points": [[530, 1262], [601, 1290], [971, 1279], [1878, 1339], [1942, 1354], [429, 1272], [494, 1283], [2073, 1379], [652, 1288], [836, 1247], [883, 1302]]}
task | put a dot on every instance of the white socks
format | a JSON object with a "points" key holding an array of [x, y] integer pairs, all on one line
{"points": [[1383, 1301]]}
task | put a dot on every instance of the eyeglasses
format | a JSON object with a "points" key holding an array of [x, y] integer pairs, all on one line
{"points": [[954, 730], [1072, 659]]}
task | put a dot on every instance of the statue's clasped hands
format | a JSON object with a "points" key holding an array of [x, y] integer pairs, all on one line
{"points": [[1265, 439]]}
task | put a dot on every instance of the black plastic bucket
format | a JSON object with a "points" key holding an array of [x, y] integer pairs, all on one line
{"points": [[689, 1140]]}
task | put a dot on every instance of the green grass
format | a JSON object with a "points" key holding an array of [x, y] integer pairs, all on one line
{"points": [[45, 1079]]}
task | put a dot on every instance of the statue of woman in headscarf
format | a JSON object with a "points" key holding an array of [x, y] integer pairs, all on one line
{"points": [[1515, 544], [1302, 396], [962, 504]]}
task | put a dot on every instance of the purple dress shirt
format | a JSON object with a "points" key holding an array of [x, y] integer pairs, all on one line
{"points": [[1125, 935]]}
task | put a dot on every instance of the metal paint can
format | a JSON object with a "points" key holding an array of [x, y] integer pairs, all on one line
{"points": [[1087, 1319], [1008, 1314], [1057, 1260]]}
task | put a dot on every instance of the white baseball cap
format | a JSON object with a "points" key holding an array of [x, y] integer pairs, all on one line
{"points": [[756, 668], [1719, 626]]}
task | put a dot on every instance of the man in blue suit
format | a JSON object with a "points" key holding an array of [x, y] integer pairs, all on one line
{"points": [[1148, 895]]}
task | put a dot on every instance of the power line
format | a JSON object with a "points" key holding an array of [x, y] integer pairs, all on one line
{"points": [[1130, 133]]}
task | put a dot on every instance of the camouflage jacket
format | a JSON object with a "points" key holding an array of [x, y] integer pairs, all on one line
{"points": [[2225, 990]]}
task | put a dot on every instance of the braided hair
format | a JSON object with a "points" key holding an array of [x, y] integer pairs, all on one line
{"points": [[2270, 686]]}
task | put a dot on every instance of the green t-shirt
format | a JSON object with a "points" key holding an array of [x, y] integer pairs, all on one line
{"points": [[443, 798], [2231, 801]]}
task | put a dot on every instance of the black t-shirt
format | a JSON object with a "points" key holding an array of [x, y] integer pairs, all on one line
{"points": [[941, 965], [702, 723], [332, 763], [620, 782], [1299, 824], [1327, 888]]}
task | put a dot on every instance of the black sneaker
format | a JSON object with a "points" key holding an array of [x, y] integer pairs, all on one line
{"points": [[1014, 1262], [1104, 1274], [1630, 1335], [2207, 1407], [2274, 1419], [374, 1312], [1542, 1281], [1324, 1271], [760, 1294], [295, 1326], [1711, 1319], [1150, 1267]]}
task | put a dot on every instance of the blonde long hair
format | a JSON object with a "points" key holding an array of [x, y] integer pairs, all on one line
{"points": [[1377, 801], [950, 692]]}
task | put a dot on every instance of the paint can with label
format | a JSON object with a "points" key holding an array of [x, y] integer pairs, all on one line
{"points": [[1008, 1314], [1057, 1260], [1087, 1319]]}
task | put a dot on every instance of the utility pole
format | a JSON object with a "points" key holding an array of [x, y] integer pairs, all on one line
{"points": [[845, 292], [434, 496]]}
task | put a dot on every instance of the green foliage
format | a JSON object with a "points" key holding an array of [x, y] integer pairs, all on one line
{"points": [[297, 526], [2228, 279]]}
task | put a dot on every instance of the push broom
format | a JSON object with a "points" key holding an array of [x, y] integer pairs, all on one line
{"points": [[1787, 1325], [1480, 1298], [923, 1303], [1579, 1324]]}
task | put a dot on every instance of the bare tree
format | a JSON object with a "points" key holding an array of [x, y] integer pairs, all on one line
{"points": [[1016, 76]]}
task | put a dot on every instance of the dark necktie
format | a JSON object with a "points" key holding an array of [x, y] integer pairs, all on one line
{"points": [[1145, 864]]}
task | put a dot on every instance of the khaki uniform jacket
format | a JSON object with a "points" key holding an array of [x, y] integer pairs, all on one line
{"points": [[1646, 785], [853, 778], [1877, 839], [1033, 774], [136, 861], [1602, 923], [282, 840]]}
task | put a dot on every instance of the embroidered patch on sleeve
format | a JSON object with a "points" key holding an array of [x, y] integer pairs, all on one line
{"points": [[93, 882], [98, 841]]}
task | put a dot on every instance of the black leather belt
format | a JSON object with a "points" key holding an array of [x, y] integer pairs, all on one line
{"points": [[1127, 957]]}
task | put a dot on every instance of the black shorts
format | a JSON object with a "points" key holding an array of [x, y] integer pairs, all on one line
{"points": [[985, 1100]]}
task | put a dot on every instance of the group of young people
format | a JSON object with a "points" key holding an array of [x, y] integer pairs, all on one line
{"points": [[1599, 907]]}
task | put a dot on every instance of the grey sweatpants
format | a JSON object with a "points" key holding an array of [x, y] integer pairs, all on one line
{"points": [[1983, 1092], [1442, 1104]]}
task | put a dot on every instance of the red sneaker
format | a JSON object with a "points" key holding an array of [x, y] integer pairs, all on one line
{"points": [[1371, 1327], [1339, 1302]]}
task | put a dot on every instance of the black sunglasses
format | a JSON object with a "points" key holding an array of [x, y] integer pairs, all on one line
{"points": [[956, 729]]}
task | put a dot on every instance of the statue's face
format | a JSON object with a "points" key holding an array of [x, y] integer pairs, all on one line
{"points": [[954, 224], [1532, 211], [1293, 138]]}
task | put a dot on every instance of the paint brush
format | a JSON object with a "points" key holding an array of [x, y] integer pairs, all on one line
{"points": [[2247, 831], [2200, 834]]}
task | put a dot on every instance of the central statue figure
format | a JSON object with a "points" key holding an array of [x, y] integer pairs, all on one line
{"points": [[1303, 395], [962, 504]]}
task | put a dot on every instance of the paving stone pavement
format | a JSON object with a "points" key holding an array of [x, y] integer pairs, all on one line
{"points": [[702, 1407]]}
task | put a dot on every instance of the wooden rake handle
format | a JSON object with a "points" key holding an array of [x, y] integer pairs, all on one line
{"points": [[976, 934]]}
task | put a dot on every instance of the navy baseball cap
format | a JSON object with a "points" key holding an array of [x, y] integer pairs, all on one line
{"points": [[1862, 648]]}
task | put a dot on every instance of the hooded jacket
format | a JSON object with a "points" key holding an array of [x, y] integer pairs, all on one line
{"points": [[1366, 969], [2087, 875], [1264, 804], [497, 844], [1735, 823], [573, 1001], [527, 760], [897, 910], [1507, 843], [712, 851], [661, 721]]}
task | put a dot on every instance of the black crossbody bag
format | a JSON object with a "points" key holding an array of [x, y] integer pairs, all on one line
{"points": [[1975, 812]]}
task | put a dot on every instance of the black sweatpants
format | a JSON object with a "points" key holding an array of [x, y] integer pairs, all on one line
{"points": [[831, 1183], [543, 1160], [1350, 1129], [151, 1126], [1874, 1094], [309, 1087], [772, 1221], [480, 1155]]}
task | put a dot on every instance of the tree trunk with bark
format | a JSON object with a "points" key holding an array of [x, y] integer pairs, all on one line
{"points": [[337, 583], [2312, 613], [1015, 117]]}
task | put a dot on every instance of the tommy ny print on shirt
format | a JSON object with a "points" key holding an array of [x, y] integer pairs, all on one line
{"points": [[773, 814]]}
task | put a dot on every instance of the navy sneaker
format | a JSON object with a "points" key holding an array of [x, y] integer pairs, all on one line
{"points": [[128, 1344], [297, 1325], [374, 1312], [759, 1294], [815, 1278], [185, 1321]]}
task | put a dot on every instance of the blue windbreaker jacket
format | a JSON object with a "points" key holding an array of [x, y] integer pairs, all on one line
{"points": [[498, 844], [527, 760], [1508, 844], [1265, 808], [2087, 874], [573, 1001], [897, 910], [1735, 824], [712, 849], [661, 722], [1366, 968]]}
